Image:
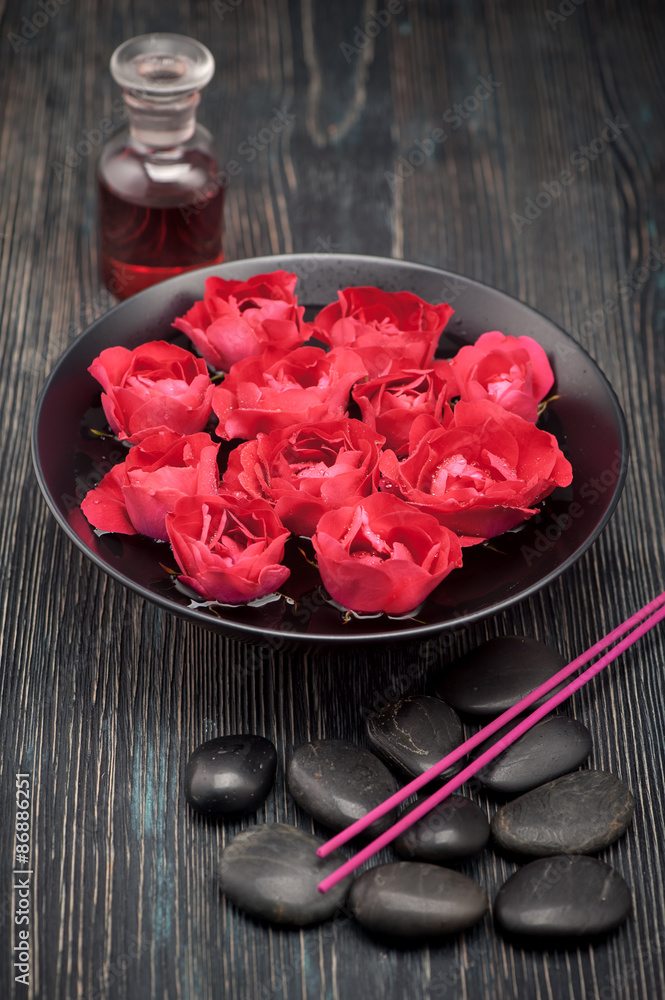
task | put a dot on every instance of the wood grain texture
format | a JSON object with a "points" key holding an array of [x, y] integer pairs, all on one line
{"points": [[102, 697]]}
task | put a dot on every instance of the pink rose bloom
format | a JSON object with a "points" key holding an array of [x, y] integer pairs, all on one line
{"points": [[390, 403], [240, 319], [307, 469], [481, 472], [382, 326], [229, 550], [511, 371], [281, 388], [155, 387], [383, 555], [137, 494]]}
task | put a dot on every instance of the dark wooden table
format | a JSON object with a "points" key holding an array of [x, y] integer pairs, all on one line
{"points": [[102, 695]]}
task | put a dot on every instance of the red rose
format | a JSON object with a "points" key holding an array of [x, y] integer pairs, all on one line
{"points": [[307, 469], [383, 555], [381, 326], [240, 319], [137, 494], [481, 472], [229, 550], [511, 371], [281, 388], [155, 387], [392, 402]]}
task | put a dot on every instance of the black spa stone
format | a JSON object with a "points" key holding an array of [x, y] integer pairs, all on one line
{"points": [[272, 872], [230, 775], [567, 896], [414, 733], [496, 675], [407, 900], [554, 746], [451, 833], [578, 813], [338, 782]]}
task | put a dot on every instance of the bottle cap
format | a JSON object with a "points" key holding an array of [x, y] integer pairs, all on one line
{"points": [[162, 65], [161, 76]]}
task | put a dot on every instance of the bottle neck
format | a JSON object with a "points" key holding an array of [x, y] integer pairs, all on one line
{"points": [[161, 123]]}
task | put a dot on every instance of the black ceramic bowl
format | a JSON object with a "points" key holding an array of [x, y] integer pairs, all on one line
{"points": [[586, 419]]}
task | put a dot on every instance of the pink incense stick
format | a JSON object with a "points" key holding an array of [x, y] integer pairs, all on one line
{"points": [[655, 608], [492, 727]]}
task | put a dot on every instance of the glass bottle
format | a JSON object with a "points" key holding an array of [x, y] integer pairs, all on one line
{"points": [[160, 196]]}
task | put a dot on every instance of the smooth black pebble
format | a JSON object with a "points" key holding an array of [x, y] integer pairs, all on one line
{"points": [[272, 872], [414, 733], [410, 899], [230, 775], [578, 813], [337, 783], [554, 746], [572, 897], [451, 833], [496, 675]]}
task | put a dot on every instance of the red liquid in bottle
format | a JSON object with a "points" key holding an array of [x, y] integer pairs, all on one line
{"points": [[143, 243]]}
